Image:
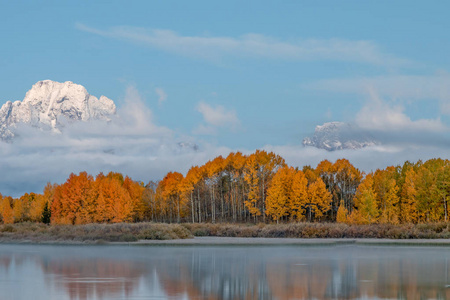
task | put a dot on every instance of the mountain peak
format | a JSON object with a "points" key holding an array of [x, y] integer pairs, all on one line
{"points": [[333, 136], [48, 103]]}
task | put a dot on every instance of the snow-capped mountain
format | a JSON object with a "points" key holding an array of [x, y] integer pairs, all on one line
{"points": [[338, 135], [49, 104]]}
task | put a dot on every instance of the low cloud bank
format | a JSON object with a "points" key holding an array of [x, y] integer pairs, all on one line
{"points": [[366, 159], [131, 143], [33, 160]]}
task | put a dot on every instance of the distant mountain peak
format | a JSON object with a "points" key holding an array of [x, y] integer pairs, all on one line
{"points": [[333, 136], [48, 103]]}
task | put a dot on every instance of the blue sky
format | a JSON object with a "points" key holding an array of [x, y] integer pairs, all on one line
{"points": [[244, 75]]}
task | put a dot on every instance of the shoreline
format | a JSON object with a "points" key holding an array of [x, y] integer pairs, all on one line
{"points": [[226, 234], [257, 241], [244, 241]]}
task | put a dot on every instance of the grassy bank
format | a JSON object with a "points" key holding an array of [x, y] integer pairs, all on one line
{"points": [[91, 233], [323, 230], [97, 233]]}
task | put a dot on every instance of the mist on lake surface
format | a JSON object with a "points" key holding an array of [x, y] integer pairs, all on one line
{"points": [[225, 272]]}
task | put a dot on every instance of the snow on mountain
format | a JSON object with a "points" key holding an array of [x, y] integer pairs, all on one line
{"points": [[49, 104], [338, 136]]}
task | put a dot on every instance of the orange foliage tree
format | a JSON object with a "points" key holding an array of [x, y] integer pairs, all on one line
{"points": [[6, 210], [241, 186], [171, 193], [74, 201]]}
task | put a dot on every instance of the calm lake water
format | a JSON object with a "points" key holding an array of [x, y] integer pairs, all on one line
{"points": [[224, 272]]}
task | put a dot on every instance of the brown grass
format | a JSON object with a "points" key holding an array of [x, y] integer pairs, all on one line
{"points": [[323, 230], [124, 232], [90, 233]]}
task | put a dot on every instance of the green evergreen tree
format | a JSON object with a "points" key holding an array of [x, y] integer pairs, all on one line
{"points": [[46, 214]]}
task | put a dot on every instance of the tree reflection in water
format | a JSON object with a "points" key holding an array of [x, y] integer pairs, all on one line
{"points": [[270, 272]]}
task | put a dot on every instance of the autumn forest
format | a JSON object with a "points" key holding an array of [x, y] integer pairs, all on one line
{"points": [[254, 188]]}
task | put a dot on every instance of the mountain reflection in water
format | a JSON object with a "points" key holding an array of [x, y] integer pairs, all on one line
{"points": [[225, 272]]}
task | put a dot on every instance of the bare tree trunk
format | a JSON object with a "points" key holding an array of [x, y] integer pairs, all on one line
{"points": [[178, 209], [238, 208], [205, 209], [199, 207], [233, 202], [223, 210], [310, 210], [213, 213], [243, 204], [192, 208], [263, 201]]}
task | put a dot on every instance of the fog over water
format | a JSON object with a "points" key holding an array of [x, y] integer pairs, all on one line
{"points": [[225, 272]]}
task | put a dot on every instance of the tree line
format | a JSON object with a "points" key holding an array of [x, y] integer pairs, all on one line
{"points": [[259, 187]]}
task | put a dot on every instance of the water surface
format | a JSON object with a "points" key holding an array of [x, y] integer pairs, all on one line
{"points": [[224, 272]]}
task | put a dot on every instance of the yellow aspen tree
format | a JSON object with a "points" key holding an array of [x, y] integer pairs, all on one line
{"points": [[429, 200], [342, 213], [319, 199], [443, 187], [18, 208], [386, 189], [252, 180], [22, 206], [49, 191], [355, 217], [268, 164], [299, 196], [389, 213], [408, 198], [277, 201], [365, 202], [37, 208], [347, 180], [326, 170], [310, 174]]}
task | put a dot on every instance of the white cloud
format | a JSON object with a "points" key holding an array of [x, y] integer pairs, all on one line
{"points": [[204, 130], [384, 114], [136, 115], [218, 116], [380, 116], [162, 96], [252, 46], [399, 87]]}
